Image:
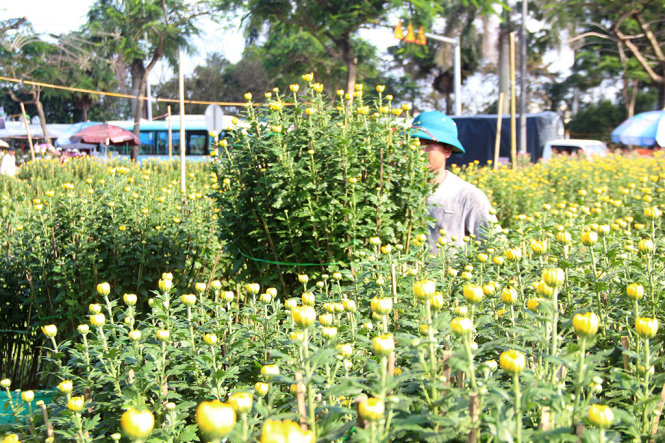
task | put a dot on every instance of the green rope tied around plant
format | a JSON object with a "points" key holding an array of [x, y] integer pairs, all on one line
{"points": [[271, 262]]}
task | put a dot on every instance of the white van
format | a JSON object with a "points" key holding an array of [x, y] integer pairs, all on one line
{"points": [[586, 149]]}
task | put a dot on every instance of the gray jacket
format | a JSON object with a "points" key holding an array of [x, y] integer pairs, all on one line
{"points": [[458, 207]]}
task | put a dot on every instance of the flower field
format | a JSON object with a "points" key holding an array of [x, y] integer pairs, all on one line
{"points": [[547, 331], [68, 227]]}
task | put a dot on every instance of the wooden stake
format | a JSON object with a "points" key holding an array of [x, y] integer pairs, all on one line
{"points": [[545, 424], [300, 401], [446, 369], [460, 379], [27, 131], [658, 412], [473, 413], [393, 275], [497, 139], [579, 432], [391, 364], [168, 119], [49, 426], [513, 122], [362, 423], [181, 83], [626, 359]]}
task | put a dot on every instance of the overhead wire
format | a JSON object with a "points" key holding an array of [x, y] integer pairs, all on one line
{"points": [[117, 94]]}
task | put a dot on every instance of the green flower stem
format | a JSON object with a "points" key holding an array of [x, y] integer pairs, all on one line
{"points": [[79, 424], [518, 407], [218, 383], [645, 385], [191, 329], [228, 310], [601, 435], [599, 302], [432, 351], [86, 349], [30, 423], [580, 379], [386, 427], [384, 373], [11, 405], [265, 334], [469, 358], [108, 309], [245, 426], [310, 388], [512, 321], [637, 308], [216, 306], [162, 375], [652, 291], [555, 332], [56, 351]]}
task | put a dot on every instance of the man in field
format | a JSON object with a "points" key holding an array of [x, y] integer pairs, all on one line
{"points": [[458, 208]]}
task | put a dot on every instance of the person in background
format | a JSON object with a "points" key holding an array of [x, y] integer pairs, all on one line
{"points": [[457, 207], [8, 164]]}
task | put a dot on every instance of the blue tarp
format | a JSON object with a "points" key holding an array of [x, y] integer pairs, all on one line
{"points": [[478, 132]]}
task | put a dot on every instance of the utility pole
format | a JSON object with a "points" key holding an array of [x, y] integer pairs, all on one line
{"points": [[457, 88], [523, 87]]}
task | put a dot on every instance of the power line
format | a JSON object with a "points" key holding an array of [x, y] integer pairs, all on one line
{"points": [[117, 94]]}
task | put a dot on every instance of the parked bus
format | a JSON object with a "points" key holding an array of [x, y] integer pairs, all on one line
{"points": [[154, 136]]}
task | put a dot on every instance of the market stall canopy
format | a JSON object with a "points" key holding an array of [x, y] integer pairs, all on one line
{"points": [[63, 137], [106, 134], [16, 130], [644, 129]]}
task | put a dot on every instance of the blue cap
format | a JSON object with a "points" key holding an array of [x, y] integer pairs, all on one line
{"points": [[438, 127]]}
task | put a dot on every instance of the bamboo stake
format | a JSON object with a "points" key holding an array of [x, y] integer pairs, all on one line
{"points": [[362, 423], [300, 400], [168, 118], [658, 412], [27, 131], [181, 83], [446, 369], [626, 359], [579, 432], [497, 140], [460, 379], [513, 122], [49, 426], [545, 423], [474, 404]]}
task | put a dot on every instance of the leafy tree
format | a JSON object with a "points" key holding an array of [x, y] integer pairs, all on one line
{"points": [[623, 39], [24, 55], [138, 33], [218, 80], [320, 26], [434, 62]]}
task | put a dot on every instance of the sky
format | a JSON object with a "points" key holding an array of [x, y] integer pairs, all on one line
{"points": [[52, 17], [56, 17]]}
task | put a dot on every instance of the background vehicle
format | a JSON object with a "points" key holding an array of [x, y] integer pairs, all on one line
{"points": [[154, 137], [584, 148]]}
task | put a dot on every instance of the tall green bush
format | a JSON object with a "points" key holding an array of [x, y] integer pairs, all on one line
{"points": [[68, 227], [307, 184]]}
